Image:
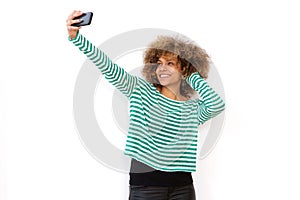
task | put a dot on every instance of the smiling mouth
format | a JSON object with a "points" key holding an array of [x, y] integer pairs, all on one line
{"points": [[164, 76]]}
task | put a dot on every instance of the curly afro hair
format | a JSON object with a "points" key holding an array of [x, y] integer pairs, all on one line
{"points": [[191, 57]]}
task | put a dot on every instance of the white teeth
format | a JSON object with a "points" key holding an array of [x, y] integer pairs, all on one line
{"points": [[164, 76]]}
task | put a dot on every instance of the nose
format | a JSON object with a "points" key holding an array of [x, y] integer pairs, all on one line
{"points": [[162, 67]]}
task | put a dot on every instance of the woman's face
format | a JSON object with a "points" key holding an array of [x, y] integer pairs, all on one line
{"points": [[168, 71]]}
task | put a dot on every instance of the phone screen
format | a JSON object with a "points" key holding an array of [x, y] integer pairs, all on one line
{"points": [[86, 19]]}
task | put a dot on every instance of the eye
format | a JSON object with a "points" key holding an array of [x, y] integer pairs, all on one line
{"points": [[171, 63]]}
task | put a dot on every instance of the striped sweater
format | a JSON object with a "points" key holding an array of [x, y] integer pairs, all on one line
{"points": [[162, 132]]}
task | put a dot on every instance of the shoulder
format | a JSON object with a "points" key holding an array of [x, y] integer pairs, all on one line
{"points": [[142, 83]]}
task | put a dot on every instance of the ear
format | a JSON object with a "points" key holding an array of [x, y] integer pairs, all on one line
{"points": [[184, 70]]}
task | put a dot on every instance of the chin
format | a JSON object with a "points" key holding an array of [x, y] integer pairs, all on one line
{"points": [[163, 83]]}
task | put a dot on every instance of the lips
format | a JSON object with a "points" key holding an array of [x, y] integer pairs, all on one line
{"points": [[164, 75]]}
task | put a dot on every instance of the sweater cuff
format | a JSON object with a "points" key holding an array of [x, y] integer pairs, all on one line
{"points": [[193, 76]]}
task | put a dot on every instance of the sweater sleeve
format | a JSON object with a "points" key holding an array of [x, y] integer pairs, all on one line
{"points": [[210, 103], [116, 75]]}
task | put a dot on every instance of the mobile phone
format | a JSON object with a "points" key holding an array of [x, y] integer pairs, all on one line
{"points": [[86, 19]]}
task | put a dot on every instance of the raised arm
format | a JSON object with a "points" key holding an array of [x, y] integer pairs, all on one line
{"points": [[210, 103], [116, 75]]}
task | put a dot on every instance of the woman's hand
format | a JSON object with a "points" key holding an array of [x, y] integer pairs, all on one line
{"points": [[72, 30]]}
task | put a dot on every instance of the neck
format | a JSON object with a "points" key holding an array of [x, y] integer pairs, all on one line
{"points": [[172, 94]]}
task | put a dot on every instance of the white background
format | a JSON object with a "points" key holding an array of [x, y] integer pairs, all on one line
{"points": [[254, 45]]}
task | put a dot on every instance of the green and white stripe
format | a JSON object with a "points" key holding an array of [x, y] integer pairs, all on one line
{"points": [[162, 132]]}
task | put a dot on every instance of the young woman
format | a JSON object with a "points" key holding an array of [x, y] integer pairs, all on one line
{"points": [[164, 119]]}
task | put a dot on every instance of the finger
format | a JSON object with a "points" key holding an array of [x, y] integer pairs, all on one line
{"points": [[75, 21], [70, 22], [73, 28], [77, 13], [71, 15], [74, 14]]}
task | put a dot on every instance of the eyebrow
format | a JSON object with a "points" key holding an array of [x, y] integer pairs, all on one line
{"points": [[172, 59]]}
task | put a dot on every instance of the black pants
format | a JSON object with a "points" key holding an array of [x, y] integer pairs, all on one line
{"points": [[162, 193]]}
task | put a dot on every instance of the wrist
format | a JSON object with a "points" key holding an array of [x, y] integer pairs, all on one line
{"points": [[73, 36]]}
